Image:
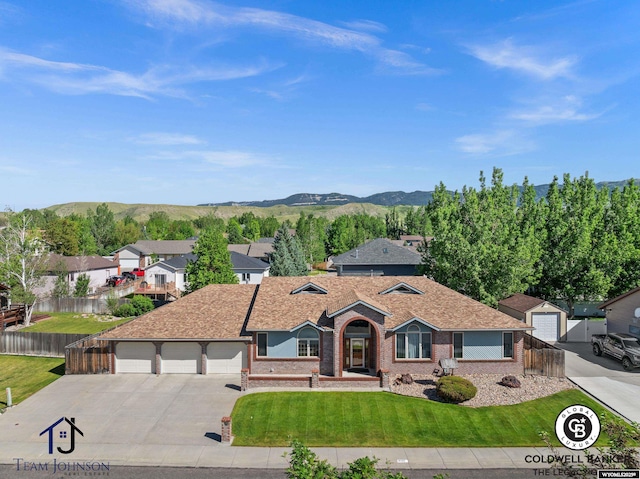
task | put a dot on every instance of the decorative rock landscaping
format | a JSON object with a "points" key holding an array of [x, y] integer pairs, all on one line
{"points": [[490, 391]]}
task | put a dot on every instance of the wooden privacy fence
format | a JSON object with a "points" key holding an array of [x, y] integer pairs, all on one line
{"points": [[542, 358], [89, 355], [36, 344]]}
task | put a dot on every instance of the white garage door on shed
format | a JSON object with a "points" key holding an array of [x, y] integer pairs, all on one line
{"points": [[226, 357], [181, 358], [547, 326], [135, 357]]}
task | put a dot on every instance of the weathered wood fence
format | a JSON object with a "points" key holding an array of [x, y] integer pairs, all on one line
{"points": [[36, 344], [542, 358], [89, 355]]}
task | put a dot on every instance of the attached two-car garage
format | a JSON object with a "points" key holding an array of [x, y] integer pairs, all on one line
{"points": [[180, 357]]}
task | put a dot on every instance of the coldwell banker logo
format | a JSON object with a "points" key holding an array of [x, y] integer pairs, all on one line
{"points": [[66, 430], [577, 427]]}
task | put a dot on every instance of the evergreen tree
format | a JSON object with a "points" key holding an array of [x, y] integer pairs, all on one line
{"points": [[213, 264], [82, 286], [287, 258], [234, 232]]}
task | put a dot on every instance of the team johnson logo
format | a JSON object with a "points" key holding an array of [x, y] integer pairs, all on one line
{"points": [[577, 427]]}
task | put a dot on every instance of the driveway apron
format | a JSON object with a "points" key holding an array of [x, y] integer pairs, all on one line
{"points": [[604, 378], [123, 417]]}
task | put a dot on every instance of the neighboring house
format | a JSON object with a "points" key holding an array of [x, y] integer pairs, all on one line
{"points": [[548, 320], [623, 313], [145, 252], [378, 257], [96, 267], [289, 328], [261, 250], [249, 271]]}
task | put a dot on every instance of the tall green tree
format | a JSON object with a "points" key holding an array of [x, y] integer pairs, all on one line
{"points": [[62, 237], [213, 264], [576, 251], [157, 226], [61, 284], [480, 247], [311, 233], [23, 260], [287, 258], [103, 228], [234, 232]]}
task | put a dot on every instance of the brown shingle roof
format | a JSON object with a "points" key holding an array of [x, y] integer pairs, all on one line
{"points": [[217, 311], [350, 298], [276, 308], [521, 302], [80, 263], [618, 298]]}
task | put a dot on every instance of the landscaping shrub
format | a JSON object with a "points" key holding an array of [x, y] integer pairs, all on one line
{"points": [[124, 311], [141, 304], [455, 389]]}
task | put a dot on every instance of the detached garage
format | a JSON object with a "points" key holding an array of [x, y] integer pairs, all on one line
{"points": [[547, 326], [209, 320], [548, 320]]}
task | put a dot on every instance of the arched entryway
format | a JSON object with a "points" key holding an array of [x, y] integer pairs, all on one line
{"points": [[359, 346]]}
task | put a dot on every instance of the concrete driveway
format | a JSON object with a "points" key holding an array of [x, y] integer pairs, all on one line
{"points": [[124, 418], [603, 378]]}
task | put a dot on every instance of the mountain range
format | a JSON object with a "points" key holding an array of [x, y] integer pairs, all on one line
{"points": [[389, 198]]}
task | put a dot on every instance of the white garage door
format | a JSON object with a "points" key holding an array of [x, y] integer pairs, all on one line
{"points": [[127, 264], [224, 358], [546, 325], [135, 357], [184, 358]]}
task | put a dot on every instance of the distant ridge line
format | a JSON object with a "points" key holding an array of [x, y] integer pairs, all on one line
{"points": [[389, 198]]}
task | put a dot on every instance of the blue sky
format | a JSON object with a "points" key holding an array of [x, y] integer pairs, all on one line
{"points": [[189, 101]]}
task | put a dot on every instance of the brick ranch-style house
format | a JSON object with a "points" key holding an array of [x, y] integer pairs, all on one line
{"points": [[322, 330]]}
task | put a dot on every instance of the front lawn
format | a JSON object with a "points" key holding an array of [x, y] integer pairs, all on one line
{"points": [[26, 375], [372, 419], [73, 323]]}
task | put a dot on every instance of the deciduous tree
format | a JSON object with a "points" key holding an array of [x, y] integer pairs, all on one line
{"points": [[213, 264]]}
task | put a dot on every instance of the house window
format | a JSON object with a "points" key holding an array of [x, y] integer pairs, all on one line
{"points": [[507, 345], [414, 344], [458, 341], [71, 277], [308, 343], [246, 277], [262, 344]]}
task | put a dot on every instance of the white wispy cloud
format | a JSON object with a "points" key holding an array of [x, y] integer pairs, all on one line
{"points": [[164, 139], [192, 13], [524, 59], [78, 78], [219, 158], [498, 143], [424, 107], [567, 109], [366, 25], [16, 170]]}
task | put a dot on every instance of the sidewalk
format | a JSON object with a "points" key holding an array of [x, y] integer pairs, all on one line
{"points": [[273, 457]]}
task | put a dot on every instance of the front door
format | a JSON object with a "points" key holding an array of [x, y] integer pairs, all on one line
{"points": [[357, 353]]}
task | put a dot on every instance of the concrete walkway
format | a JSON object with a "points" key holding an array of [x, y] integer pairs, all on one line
{"points": [[174, 420]]}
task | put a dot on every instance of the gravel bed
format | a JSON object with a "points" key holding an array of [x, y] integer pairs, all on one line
{"points": [[490, 392]]}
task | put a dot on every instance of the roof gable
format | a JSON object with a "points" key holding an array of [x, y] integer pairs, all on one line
{"points": [[521, 302], [401, 288], [309, 288]]}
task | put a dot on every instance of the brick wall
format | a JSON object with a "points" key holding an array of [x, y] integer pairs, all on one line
{"points": [[284, 366]]}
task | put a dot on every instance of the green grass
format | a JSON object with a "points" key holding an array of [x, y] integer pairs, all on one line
{"points": [[26, 375], [388, 420], [72, 323]]}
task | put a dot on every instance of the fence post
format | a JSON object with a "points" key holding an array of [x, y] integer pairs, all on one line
{"points": [[9, 399]]}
